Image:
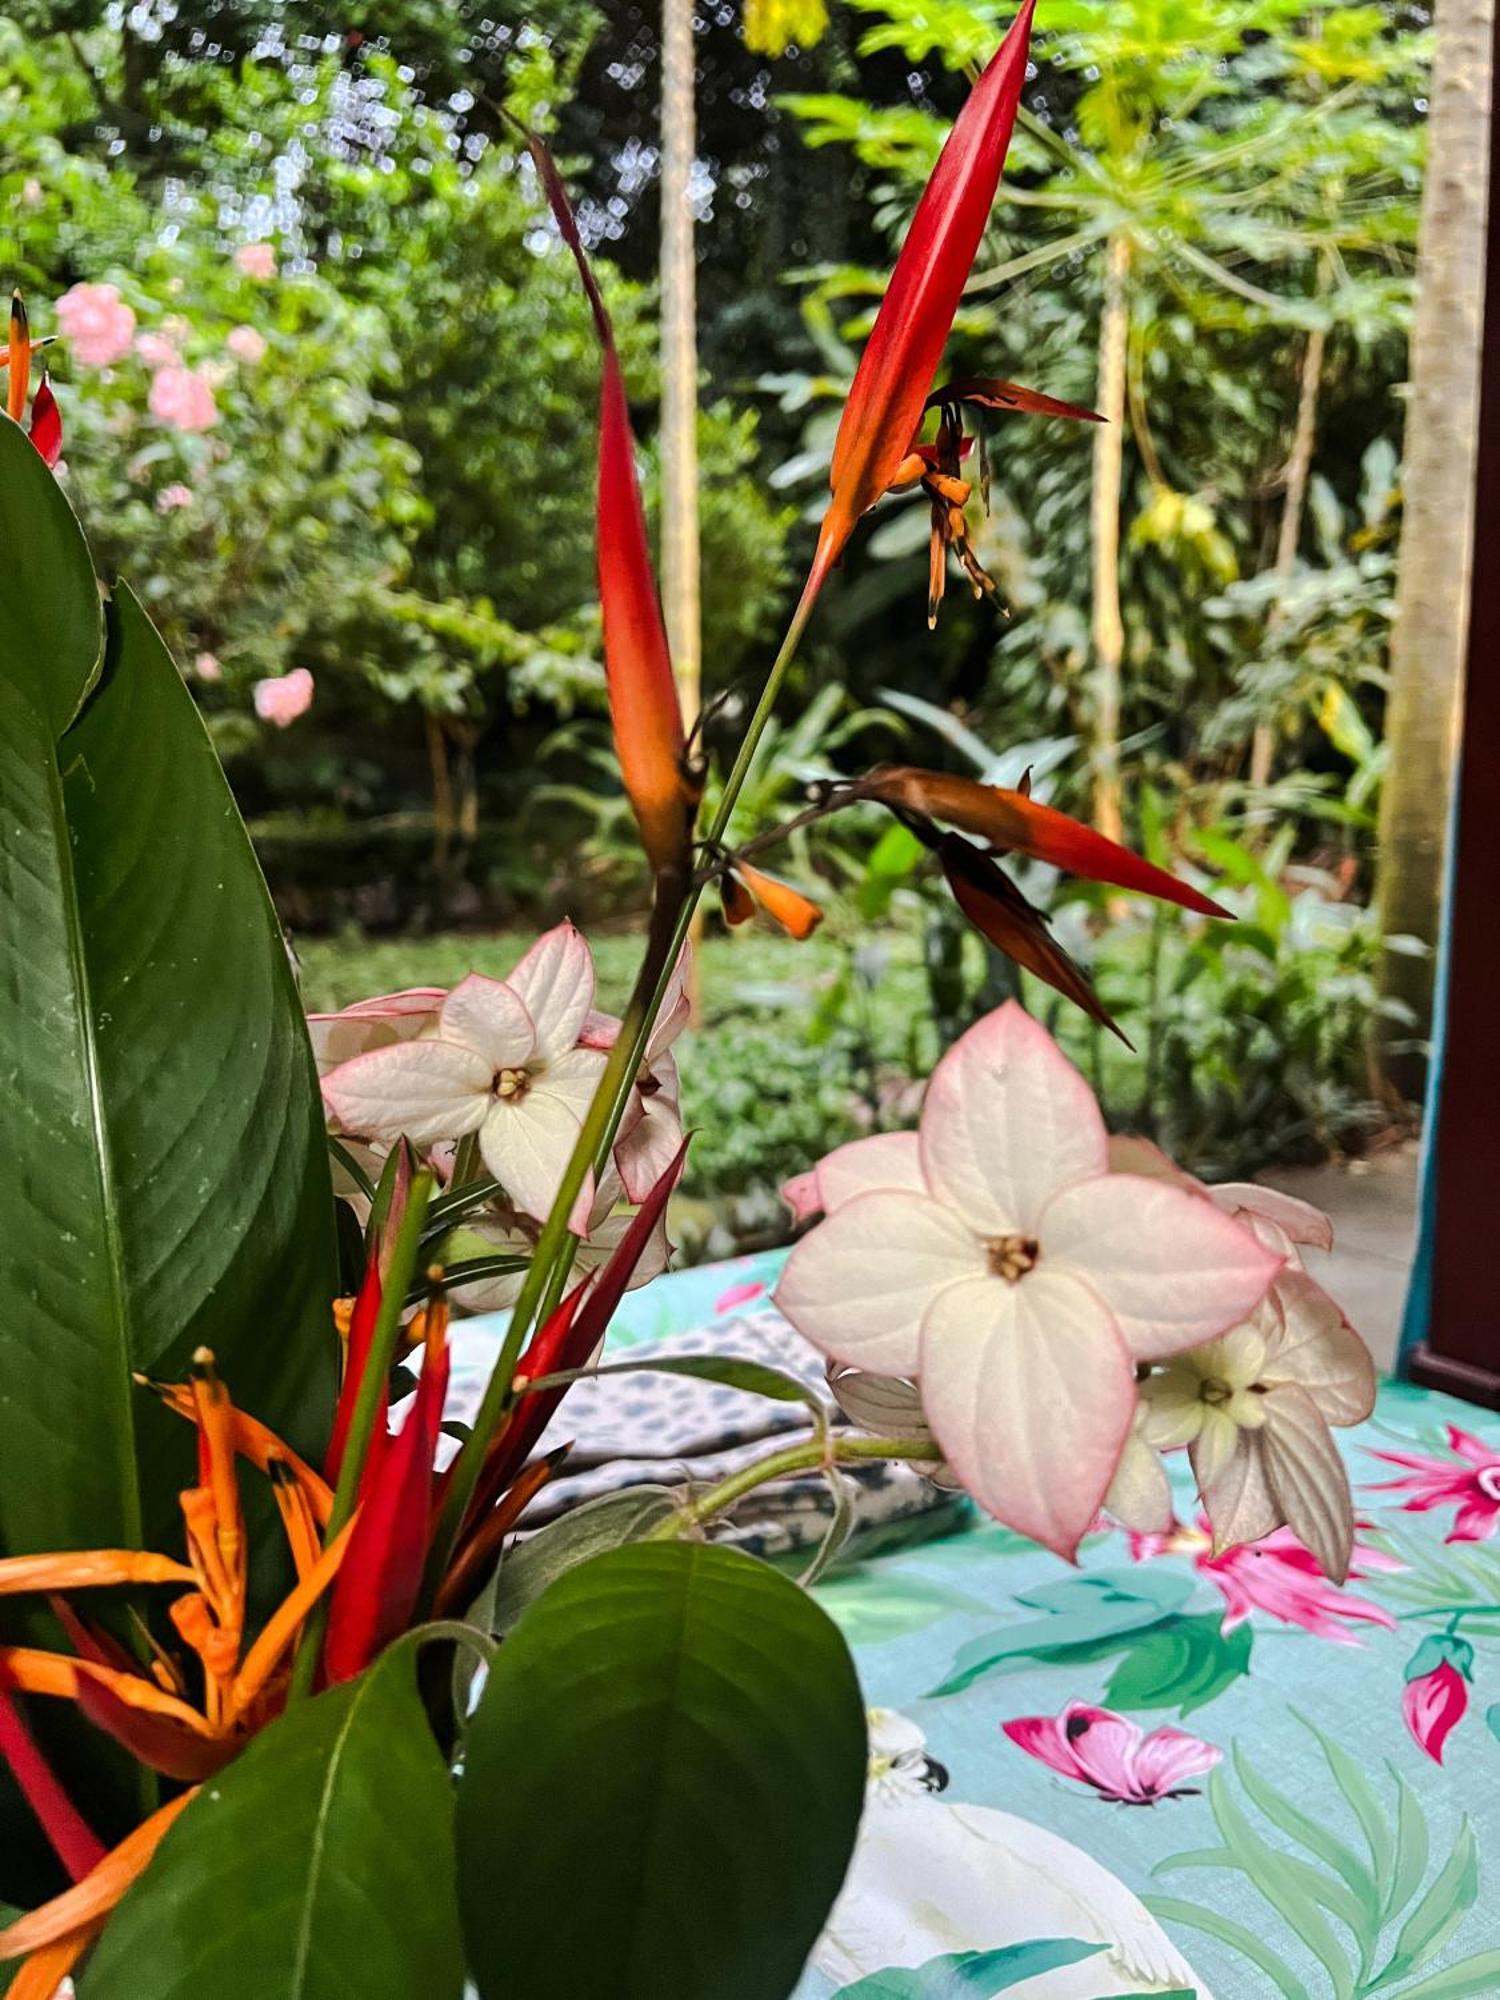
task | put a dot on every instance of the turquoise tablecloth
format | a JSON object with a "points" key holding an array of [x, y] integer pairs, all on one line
{"points": [[1324, 1853]]}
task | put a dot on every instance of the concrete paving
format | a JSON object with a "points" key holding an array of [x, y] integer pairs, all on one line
{"points": [[1373, 1203]]}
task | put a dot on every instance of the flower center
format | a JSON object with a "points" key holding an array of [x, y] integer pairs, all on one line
{"points": [[510, 1083], [1214, 1392], [1011, 1257], [1489, 1482]]}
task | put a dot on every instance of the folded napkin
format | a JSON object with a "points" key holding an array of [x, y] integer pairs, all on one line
{"points": [[644, 1429]]}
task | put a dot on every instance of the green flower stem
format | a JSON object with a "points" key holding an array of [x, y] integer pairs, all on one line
{"points": [[1452, 1612], [809, 1457], [367, 1406], [553, 1258]]}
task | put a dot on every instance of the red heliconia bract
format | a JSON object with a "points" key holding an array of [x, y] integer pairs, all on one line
{"points": [[906, 343], [643, 699]]}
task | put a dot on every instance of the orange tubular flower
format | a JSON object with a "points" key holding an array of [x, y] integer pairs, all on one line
{"points": [[662, 786], [46, 421], [1014, 821], [906, 343], [743, 887]]}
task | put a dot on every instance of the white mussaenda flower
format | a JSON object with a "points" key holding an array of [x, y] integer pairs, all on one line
{"points": [[502, 1062], [1021, 1283]]}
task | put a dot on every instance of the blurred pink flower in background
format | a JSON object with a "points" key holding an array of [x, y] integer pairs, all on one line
{"points": [[183, 399], [172, 497], [207, 667], [97, 324], [1096, 1747], [282, 699], [31, 191], [157, 350], [246, 345], [256, 260]]}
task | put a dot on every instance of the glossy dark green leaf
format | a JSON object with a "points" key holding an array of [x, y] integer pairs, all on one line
{"points": [[163, 1179], [665, 1774], [531, 1566], [318, 1866]]}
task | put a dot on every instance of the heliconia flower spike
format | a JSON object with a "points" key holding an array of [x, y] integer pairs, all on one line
{"points": [[46, 424], [73, 1840], [379, 1581], [1011, 820], [985, 392], [998, 911], [643, 701], [798, 915], [911, 329], [356, 1354], [567, 1339]]}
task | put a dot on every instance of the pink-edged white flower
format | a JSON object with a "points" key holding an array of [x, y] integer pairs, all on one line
{"points": [[502, 1062], [284, 697], [1022, 1283], [96, 322], [183, 399], [1469, 1482], [885, 1160], [378, 1023], [207, 668], [1094, 1746], [173, 497], [246, 345], [1280, 1577], [1437, 1690], [651, 1129], [256, 260]]}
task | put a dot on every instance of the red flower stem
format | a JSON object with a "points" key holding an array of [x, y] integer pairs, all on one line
{"points": [[369, 1407]]}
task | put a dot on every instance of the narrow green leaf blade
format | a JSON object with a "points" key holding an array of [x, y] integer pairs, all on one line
{"points": [[318, 1865], [666, 1772]]}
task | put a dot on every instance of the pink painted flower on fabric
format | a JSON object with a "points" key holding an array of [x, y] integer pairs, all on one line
{"points": [[183, 398], [743, 1294], [1469, 1482], [173, 497], [1021, 1285], [1280, 1577], [285, 697], [1437, 1690], [256, 260], [96, 323], [1095, 1746], [206, 666], [246, 345], [502, 1063]]}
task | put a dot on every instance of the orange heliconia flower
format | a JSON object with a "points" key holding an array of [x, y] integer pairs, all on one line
{"points": [[742, 888], [46, 421]]}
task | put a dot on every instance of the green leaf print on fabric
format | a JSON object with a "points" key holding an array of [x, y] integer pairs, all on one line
{"points": [[971, 1975], [1084, 1617], [1358, 1907]]}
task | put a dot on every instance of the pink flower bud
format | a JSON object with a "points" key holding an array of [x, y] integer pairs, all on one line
{"points": [[1435, 1700], [282, 699]]}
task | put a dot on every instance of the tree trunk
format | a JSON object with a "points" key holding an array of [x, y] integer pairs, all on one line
{"points": [[1109, 462], [1427, 645], [442, 800], [1298, 469], [680, 561]]}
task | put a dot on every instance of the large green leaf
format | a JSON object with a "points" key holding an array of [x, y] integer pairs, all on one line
{"points": [[662, 1784], [162, 1174], [317, 1866]]}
